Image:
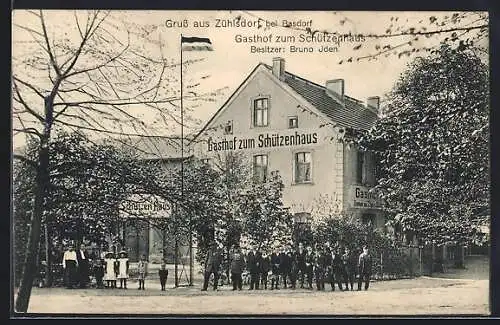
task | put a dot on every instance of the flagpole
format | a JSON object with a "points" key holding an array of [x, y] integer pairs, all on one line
{"points": [[182, 181], [182, 178]]}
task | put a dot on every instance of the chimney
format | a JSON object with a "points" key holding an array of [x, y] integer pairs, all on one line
{"points": [[373, 102], [336, 87], [279, 67]]}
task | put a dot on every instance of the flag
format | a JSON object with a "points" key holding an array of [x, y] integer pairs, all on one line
{"points": [[196, 44]]}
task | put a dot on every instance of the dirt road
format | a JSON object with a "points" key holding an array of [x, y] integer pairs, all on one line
{"points": [[398, 297]]}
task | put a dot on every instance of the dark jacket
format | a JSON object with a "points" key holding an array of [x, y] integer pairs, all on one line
{"points": [[275, 263], [116, 267], [301, 259], [212, 261], [253, 263], [99, 271], [328, 258], [163, 274], [309, 259], [284, 263], [349, 262], [293, 265], [365, 264], [265, 265], [337, 262], [237, 263], [321, 261]]}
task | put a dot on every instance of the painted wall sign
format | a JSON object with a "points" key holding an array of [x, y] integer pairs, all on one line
{"points": [[263, 140]]}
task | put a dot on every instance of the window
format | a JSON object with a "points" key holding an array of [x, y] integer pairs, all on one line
{"points": [[260, 168], [293, 122], [303, 166], [360, 167], [260, 112], [228, 129]]}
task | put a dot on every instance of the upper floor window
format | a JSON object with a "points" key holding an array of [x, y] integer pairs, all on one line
{"points": [[228, 128], [261, 112], [260, 168], [293, 122], [303, 167]]}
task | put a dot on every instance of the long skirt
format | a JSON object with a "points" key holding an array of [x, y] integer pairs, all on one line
{"points": [[71, 274]]}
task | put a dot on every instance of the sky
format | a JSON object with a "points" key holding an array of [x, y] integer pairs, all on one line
{"points": [[231, 61]]}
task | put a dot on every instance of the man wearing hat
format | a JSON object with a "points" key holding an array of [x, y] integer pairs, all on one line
{"points": [[364, 268], [212, 263]]}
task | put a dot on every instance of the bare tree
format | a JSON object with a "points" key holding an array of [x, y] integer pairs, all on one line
{"points": [[94, 71]]}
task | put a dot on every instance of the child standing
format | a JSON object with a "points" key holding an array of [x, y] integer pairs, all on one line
{"points": [[142, 268], [110, 276], [123, 269], [163, 273], [99, 273]]}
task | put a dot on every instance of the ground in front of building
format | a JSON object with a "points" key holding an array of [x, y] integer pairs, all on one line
{"points": [[397, 297]]}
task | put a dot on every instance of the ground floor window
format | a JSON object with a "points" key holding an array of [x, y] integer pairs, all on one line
{"points": [[303, 167]]}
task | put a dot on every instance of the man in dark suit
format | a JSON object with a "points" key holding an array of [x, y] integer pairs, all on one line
{"points": [[336, 269], [284, 267], [293, 268], [253, 266], [212, 263], [163, 274], [364, 268], [83, 266], [301, 263], [275, 269], [237, 268], [309, 260], [349, 261], [320, 269], [265, 266]]}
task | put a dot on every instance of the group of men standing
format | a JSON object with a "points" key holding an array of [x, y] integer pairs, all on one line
{"points": [[76, 267], [325, 264]]}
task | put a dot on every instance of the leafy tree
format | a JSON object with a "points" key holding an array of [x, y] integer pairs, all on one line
{"points": [[433, 147], [267, 223]]}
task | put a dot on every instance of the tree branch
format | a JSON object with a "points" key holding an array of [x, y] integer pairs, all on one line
{"points": [[48, 48]]}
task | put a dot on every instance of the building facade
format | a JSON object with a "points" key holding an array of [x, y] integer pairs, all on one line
{"points": [[147, 219], [281, 122]]}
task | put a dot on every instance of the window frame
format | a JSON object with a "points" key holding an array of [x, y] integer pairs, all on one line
{"points": [[255, 100], [295, 166], [296, 118], [228, 123], [254, 166]]}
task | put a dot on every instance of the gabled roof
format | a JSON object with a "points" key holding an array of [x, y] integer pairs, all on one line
{"points": [[350, 115]]}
